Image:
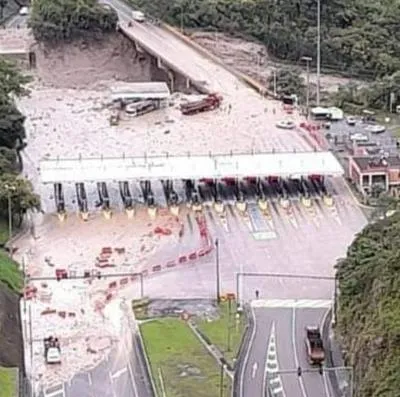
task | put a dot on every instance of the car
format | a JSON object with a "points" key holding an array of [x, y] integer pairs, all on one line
{"points": [[351, 120], [375, 129], [24, 11], [286, 124], [138, 16], [359, 137]]}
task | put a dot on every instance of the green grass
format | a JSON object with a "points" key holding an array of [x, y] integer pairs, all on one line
{"points": [[217, 330], [9, 272], [172, 348], [8, 382]]}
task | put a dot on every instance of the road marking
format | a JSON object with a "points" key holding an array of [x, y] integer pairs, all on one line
{"points": [[254, 370], [90, 378], [271, 372], [292, 303], [294, 347], [118, 373]]}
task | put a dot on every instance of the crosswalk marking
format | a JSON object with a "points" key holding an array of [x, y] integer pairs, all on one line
{"points": [[292, 303]]}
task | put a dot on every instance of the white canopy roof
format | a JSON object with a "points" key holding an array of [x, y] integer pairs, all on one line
{"points": [[189, 167]]}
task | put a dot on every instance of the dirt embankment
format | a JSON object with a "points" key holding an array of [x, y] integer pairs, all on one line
{"points": [[84, 65], [11, 349]]}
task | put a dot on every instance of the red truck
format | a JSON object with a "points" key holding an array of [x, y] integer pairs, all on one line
{"points": [[211, 102], [314, 346]]}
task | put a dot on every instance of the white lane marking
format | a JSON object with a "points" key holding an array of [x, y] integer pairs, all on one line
{"points": [[274, 382], [247, 355], [294, 347], [292, 303], [254, 370], [111, 381], [90, 378], [135, 390], [118, 373]]}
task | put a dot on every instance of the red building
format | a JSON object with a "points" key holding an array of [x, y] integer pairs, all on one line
{"points": [[367, 172]]}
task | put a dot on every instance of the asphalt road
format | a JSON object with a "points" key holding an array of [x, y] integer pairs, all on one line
{"points": [[277, 344], [17, 21]]}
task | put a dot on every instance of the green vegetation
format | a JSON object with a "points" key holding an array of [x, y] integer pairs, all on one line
{"points": [[12, 135], [8, 382], [217, 330], [369, 308], [353, 33], [187, 368], [140, 308], [53, 21], [9, 273]]}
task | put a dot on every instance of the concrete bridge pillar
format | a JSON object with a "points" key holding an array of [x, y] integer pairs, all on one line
{"points": [[171, 77]]}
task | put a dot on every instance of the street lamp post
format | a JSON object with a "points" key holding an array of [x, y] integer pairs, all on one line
{"points": [[181, 18], [221, 381], [318, 49], [218, 288], [307, 60]]}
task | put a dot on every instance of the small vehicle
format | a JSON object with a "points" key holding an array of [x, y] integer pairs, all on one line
{"points": [[359, 137], [115, 117], [138, 16], [141, 107], [351, 120], [24, 11], [286, 124], [314, 346], [368, 116], [375, 129], [52, 350], [211, 102]]}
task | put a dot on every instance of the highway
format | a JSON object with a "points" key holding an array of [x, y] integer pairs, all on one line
{"points": [[277, 344]]}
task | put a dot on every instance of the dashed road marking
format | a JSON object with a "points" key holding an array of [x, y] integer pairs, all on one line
{"points": [[292, 303], [271, 375], [118, 373], [55, 391]]}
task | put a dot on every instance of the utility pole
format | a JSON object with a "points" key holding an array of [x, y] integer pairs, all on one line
{"points": [[229, 325], [274, 74], [318, 50], [307, 60], [10, 189], [218, 291], [221, 381]]}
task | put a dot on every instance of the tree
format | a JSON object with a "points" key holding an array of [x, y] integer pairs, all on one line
{"points": [[8, 161], [22, 196], [360, 38], [12, 131], [53, 21], [368, 317], [288, 81]]}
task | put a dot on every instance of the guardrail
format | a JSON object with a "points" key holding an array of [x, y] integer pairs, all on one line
{"points": [[244, 345]]}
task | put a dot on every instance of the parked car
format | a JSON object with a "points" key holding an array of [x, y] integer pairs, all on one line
{"points": [[24, 11], [286, 124], [359, 137], [375, 129], [351, 120]]}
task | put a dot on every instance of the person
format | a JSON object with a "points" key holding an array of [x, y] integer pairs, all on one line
{"points": [[257, 293]]}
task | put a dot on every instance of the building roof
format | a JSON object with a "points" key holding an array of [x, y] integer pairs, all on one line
{"points": [[151, 90], [376, 163], [189, 167]]}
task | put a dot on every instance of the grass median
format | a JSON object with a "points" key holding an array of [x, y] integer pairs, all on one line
{"points": [[180, 364], [9, 272], [225, 331], [8, 382]]}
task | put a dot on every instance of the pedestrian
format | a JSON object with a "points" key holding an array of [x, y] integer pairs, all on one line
{"points": [[257, 293], [229, 108]]}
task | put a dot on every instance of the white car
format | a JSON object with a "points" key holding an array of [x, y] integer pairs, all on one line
{"points": [[375, 129], [286, 124], [358, 137], [351, 120], [53, 356], [24, 11], [138, 16]]}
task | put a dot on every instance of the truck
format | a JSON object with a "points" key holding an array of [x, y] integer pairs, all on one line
{"points": [[210, 102], [314, 346], [52, 350]]}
